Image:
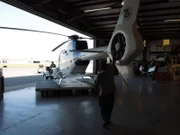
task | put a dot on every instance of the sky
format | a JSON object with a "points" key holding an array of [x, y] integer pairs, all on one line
{"points": [[20, 44]]}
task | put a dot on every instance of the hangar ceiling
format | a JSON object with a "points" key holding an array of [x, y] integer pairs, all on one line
{"points": [[154, 16]]}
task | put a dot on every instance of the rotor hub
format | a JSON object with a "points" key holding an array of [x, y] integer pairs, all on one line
{"points": [[74, 37]]}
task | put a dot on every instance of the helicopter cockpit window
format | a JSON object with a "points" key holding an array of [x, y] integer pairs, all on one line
{"points": [[80, 45]]}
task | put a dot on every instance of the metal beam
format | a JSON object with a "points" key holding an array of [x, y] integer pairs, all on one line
{"points": [[160, 18], [105, 23], [158, 13], [146, 2], [96, 14], [155, 23], [101, 5], [108, 30], [107, 35], [105, 12], [161, 33], [160, 6], [41, 2], [162, 30], [160, 37], [73, 13], [104, 19], [76, 17], [94, 3], [92, 17], [102, 27], [117, 12], [160, 26]]}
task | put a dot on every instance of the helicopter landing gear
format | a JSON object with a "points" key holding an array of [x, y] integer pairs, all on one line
{"points": [[45, 77]]}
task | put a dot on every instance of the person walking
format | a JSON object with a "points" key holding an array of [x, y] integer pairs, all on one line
{"points": [[104, 81]]}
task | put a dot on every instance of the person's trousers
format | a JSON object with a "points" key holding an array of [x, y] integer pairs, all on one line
{"points": [[106, 103]]}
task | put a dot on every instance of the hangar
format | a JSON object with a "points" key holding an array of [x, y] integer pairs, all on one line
{"points": [[79, 15], [150, 108]]}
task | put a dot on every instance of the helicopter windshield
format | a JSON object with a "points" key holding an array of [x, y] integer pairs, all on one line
{"points": [[80, 45]]}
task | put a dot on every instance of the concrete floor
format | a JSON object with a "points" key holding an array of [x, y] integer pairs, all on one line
{"points": [[146, 108]]}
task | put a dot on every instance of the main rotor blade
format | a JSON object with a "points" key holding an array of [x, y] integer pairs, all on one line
{"points": [[60, 45], [38, 31]]}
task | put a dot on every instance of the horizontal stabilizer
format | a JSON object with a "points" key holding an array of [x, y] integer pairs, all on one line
{"points": [[90, 51]]}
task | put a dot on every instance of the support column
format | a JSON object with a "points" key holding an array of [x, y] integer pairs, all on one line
{"points": [[1, 84]]}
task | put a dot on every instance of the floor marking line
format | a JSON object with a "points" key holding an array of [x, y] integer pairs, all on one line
{"points": [[18, 86], [20, 122]]}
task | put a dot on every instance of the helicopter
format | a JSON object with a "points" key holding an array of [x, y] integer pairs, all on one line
{"points": [[159, 64], [125, 45]]}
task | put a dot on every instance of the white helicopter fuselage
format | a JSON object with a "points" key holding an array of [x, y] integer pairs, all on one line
{"points": [[76, 62]]}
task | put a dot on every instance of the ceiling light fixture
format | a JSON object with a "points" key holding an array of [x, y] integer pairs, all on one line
{"points": [[97, 9], [172, 20]]}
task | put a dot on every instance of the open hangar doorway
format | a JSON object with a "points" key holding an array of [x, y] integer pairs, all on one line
{"points": [[23, 52]]}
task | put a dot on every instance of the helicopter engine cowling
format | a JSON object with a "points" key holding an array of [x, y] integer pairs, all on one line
{"points": [[126, 42]]}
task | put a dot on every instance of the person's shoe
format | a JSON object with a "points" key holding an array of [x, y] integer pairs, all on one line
{"points": [[106, 124], [110, 123]]}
